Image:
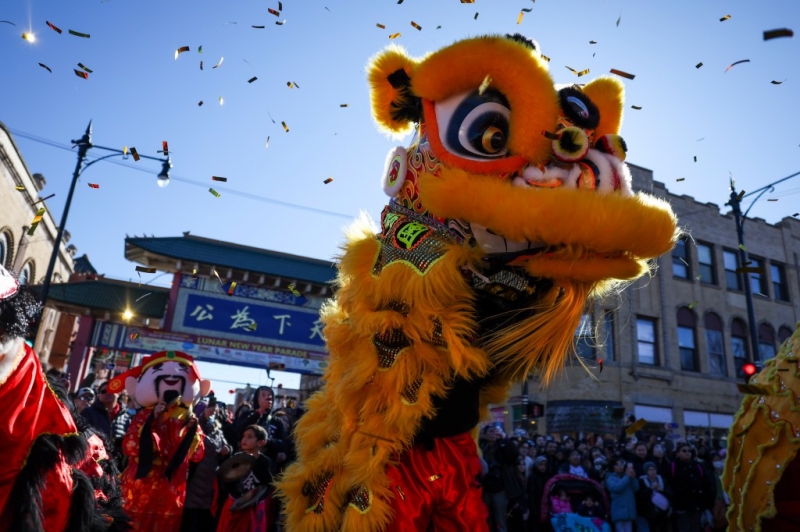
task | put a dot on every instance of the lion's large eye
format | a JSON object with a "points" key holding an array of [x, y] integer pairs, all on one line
{"points": [[475, 126]]}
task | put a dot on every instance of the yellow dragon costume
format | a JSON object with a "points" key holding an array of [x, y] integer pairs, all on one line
{"points": [[510, 208]]}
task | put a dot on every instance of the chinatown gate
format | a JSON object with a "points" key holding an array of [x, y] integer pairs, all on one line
{"points": [[228, 304]]}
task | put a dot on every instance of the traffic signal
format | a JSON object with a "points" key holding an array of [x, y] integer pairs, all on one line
{"points": [[749, 369], [535, 410]]}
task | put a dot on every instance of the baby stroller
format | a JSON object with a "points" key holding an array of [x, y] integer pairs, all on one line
{"points": [[562, 515]]}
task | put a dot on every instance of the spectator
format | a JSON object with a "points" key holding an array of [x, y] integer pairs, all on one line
{"points": [[550, 451], [660, 460], [84, 399], [525, 451], [622, 486], [518, 512], [639, 457], [599, 470], [499, 453], [653, 499], [279, 447], [560, 502], [540, 443], [590, 508], [573, 465], [107, 416], [536, 483], [693, 488], [721, 501]]}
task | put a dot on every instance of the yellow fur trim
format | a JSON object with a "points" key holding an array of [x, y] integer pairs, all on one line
{"points": [[382, 95], [642, 225], [583, 266], [608, 94], [516, 71]]}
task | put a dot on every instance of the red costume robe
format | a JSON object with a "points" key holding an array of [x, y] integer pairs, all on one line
{"points": [[155, 502]]}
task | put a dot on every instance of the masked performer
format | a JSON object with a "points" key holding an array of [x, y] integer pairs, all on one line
{"points": [[162, 438], [510, 208]]}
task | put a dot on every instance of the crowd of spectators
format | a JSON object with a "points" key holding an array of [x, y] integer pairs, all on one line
{"points": [[651, 485]]}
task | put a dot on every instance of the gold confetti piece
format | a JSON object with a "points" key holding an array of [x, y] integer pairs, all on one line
{"points": [[19, 187], [343, 105], [221, 179], [293, 290], [215, 271], [330, 179], [135, 154], [84, 67], [79, 34], [434, 477], [415, 25], [221, 100], [145, 269], [290, 84], [622, 73], [180, 50], [253, 326], [36, 220], [221, 59], [200, 103], [681, 179], [395, 35], [774, 34], [273, 12], [124, 151], [737, 63], [467, 1], [94, 185], [45, 67], [742, 247], [164, 148], [30, 37], [693, 304], [251, 80], [381, 26], [545, 58], [636, 426], [285, 127], [773, 81], [519, 17], [726, 17], [232, 288], [698, 65], [484, 84], [637, 107], [618, 20], [81, 74], [266, 145], [216, 195]]}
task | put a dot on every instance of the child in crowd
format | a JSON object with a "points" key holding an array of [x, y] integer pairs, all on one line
{"points": [[252, 517], [590, 508], [560, 503]]}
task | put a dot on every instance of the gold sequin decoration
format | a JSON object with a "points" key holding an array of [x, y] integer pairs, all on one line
{"points": [[437, 337], [401, 307], [425, 253], [410, 394], [316, 493], [389, 345], [360, 499]]}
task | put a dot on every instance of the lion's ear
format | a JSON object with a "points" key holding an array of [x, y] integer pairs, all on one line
{"points": [[394, 106], [608, 94]]}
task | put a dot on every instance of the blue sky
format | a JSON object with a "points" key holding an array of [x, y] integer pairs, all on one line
{"points": [[138, 95]]}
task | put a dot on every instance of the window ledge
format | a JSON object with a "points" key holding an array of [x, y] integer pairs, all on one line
{"points": [[710, 285], [652, 372]]}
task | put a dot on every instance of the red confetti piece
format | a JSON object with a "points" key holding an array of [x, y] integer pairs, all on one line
{"points": [[94, 185], [81, 74], [220, 179], [622, 73], [273, 12], [57, 30], [737, 63], [416, 26], [232, 288], [329, 180]]}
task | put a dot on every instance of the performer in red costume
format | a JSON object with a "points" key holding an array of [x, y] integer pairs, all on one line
{"points": [[162, 438]]}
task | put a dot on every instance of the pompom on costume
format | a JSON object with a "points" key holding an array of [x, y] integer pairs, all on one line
{"points": [[510, 208], [762, 469], [162, 438], [44, 478]]}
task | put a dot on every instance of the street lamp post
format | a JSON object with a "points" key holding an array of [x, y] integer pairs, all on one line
{"points": [[735, 202], [84, 145]]}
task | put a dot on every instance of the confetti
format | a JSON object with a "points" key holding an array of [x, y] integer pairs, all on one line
{"points": [[180, 50], [45, 67], [592, 42], [221, 100], [270, 117], [145, 269], [681, 179], [698, 65], [578, 73], [476, 16], [200, 103], [200, 49], [79, 34], [273, 12], [637, 107], [290, 84], [742, 247], [773, 81], [622, 73], [484, 84], [84, 67], [636, 426], [280, 6], [42, 199], [693, 304], [618, 20], [221, 59], [434, 477], [58, 30], [135, 154], [285, 127], [737, 63], [293, 290], [695, 158], [281, 22], [438, 27], [125, 152], [796, 214], [133, 336], [772, 199], [201, 65], [94, 185], [266, 145], [752, 389], [216, 274], [216, 195], [81, 74], [9, 22], [30, 37], [232, 288], [545, 58], [600, 364], [381, 26], [774, 34], [416, 26], [749, 269], [329, 180], [527, 9], [220, 179], [726, 17], [20, 188], [519, 17], [253, 326], [395, 35], [36, 220], [467, 1], [343, 105], [251, 80], [258, 27]]}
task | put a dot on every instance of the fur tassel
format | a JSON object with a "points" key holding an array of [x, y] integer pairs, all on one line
{"points": [[82, 507]]}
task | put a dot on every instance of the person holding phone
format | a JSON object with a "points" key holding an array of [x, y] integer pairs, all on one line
{"points": [[622, 485]]}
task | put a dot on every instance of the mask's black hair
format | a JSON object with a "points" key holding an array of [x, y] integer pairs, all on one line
{"points": [[525, 41], [18, 313]]}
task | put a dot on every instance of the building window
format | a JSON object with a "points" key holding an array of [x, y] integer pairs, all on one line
{"points": [[758, 280], [26, 273], [715, 344], [584, 338], [779, 288], [687, 322], [608, 331], [646, 341], [739, 345], [680, 260], [705, 263], [784, 333], [766, 342], [733, 280]]}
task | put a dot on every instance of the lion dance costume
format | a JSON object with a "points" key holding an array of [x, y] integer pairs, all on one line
{"points": [[510, 208], [762, 470], [162, 438]]}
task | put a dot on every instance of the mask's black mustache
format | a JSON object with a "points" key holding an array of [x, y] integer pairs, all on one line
{"points": [[170, 395]]}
